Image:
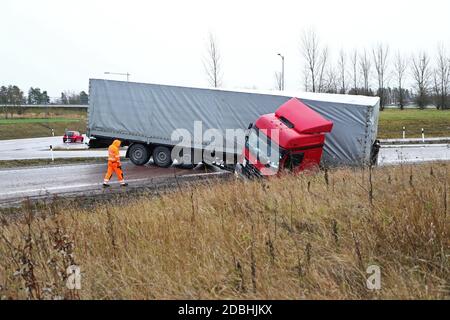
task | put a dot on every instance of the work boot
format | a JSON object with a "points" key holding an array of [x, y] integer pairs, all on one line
{"points": [[124, 184], [106, 185]]}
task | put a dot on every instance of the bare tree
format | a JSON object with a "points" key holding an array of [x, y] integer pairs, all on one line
{"points": [[342, 64], [332, 81], [212, 62], [278, 81], [400, 66], [442, 79], [365, 66], [380, 58], [322, 70], [306, 79], [421, 75], [354, 61], [315, 59]]}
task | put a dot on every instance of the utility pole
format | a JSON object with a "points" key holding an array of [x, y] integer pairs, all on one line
{"points": [[120, 74], [282, 71]]}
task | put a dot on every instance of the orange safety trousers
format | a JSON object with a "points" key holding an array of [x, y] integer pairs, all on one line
{"points": [[114, 167]]}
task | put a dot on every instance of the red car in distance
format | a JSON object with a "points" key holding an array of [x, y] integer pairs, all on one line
{"points": [[73, 136]]}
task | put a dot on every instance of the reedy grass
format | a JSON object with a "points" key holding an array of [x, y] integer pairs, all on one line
{"points": [[308, 236]]}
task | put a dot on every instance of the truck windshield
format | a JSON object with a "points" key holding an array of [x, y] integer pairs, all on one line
{"points": [[265, 150]]}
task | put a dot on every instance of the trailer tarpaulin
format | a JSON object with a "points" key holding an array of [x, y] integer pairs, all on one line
{"points": [[151, 113]]}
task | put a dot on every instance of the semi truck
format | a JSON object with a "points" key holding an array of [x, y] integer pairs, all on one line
{"points": [[151, 118]]}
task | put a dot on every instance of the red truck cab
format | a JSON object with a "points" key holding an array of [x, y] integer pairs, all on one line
{"points": [[291, 139]]}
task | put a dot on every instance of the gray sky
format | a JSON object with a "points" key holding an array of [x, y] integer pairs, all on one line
{"points": [[58, 45]]}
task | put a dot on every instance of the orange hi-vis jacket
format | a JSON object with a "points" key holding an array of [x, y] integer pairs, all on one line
{"points": [[114, 165], [114, 151]]}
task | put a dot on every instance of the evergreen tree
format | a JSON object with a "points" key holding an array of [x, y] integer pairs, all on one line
{"points": [[84, 98]]}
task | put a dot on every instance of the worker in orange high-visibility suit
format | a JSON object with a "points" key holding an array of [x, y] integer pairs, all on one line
{"points": [[114, 164]]}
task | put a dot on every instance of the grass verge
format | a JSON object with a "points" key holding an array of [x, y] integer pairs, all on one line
{"points": [[39, 122], [36, 120], [310, 236], [436, 123], [36, 130]]}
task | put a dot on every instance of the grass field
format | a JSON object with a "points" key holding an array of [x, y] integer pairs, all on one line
{"points": [[35, 123], [311, 236], [78, 112], [38, 122], [436, 123], [35, 130], [46, 121]]}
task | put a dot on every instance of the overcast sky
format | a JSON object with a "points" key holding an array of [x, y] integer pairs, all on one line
{"points": [[58, 45]]}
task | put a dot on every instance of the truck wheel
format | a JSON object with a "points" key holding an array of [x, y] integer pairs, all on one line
{"points": [[139, 154], [162, 157]]}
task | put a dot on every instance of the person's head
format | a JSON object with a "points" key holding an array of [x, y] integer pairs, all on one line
{"points": [[117, 143]]}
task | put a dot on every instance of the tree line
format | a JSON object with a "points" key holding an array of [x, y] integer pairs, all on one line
{"points": [[396, 78], [13, 95], [13, 100], [353, 72]]}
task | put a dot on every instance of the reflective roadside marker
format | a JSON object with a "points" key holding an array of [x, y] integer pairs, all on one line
{"points": [[51, 152], [53, 132], [404, 133], [423, 136]]}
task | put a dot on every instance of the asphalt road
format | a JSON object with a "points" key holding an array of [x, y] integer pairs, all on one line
{"points": [[397, 154], [41, 182], [39, 148]]}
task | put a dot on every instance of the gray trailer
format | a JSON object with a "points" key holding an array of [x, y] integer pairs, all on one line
{"points": [[145, 116]]}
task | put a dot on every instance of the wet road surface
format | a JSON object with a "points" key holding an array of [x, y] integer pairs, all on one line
{"points": [[397, 154], [40, 182], [39, 148]]}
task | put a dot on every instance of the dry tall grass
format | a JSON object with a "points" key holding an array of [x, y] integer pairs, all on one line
{"points": [[311, 236]]}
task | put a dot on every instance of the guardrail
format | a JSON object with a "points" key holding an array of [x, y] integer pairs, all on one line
{"points": [[47, 106], [438, 140]]}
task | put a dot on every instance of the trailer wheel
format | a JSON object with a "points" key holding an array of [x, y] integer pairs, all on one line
{"points": [[139, 154], [162, 157]]}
